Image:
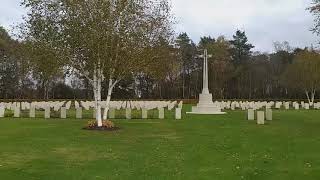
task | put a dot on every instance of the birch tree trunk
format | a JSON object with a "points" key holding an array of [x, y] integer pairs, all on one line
{"points": [[106, 110], [312, 96], [97, 79], [110, 89], [307, 93]]}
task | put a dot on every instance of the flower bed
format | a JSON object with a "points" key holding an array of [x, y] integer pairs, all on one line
{"points": [[107, 125]]}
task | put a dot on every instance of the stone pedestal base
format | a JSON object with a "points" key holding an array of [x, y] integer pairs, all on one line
{"points": [[206, 106]]}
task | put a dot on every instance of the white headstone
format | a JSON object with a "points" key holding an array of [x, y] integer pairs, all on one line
{"points": [[47, 112], [18, 104], [233, 106], [63, 112], [260, 117], [128, 113], [32, 111], [2, 111], [112, 113], [68, 105], [178, 113], [268, 106], [302, 104], [79, 113], [287, 105], [13, 106], [76, 104], [161, 113], [16, 112], [171, 106], [85, 105], [307, 106], [56, 107], [144, 113], [278, 105], [250, 114], [94, 113], [269, 114], [180, 104], [23, 107]]}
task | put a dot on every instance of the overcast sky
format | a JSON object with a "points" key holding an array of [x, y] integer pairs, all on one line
{"points": [[264, 21]]}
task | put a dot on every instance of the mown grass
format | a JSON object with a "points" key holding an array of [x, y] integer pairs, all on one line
{"points": [[197, 147]]}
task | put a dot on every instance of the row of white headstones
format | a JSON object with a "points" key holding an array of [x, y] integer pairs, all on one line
{"points": [[63, 106], [245, 105], [261, 116], [144, 106]]}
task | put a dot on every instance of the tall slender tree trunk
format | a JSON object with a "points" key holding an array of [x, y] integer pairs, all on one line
{"points": [[239, 88], [313, 92], [183, 83], [110, 89], [160, 91], [307, 94], [97, 80]]}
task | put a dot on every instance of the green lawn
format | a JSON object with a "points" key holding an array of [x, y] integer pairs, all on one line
{"points": [[197, 147]]}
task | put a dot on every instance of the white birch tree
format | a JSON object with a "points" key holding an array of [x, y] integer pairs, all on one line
{"points": [[101, 39], [304, 73]]}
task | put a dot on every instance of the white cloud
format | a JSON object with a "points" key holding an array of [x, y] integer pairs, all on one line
{"points": [[265, 21]]}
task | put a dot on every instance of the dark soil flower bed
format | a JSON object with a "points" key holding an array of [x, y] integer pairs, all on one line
{"points": [[107, 125], [101, 128]]}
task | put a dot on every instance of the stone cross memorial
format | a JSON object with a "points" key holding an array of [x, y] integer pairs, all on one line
{"points": [[206, 105]]}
